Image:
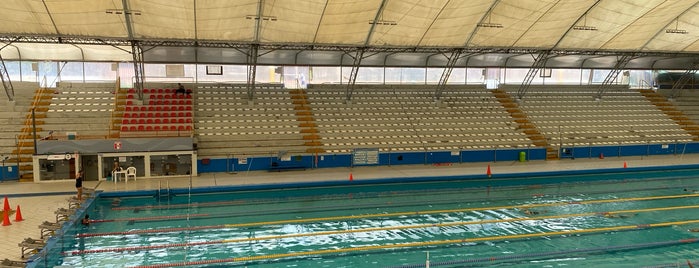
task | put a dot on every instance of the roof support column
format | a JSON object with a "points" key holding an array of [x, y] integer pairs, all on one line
{"points": [[6, 82], [252, 70], [611, 77], [353, 75], [687, 76], [451, 62], [137, 53], [539, 63]]}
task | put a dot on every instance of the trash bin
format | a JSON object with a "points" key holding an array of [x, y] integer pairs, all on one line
{"points": [[522, 156]]}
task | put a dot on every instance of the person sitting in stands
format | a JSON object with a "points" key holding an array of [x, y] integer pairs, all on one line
{"points": [[180, 89]]}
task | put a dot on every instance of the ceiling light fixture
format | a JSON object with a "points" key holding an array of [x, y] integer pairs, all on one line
{"points": [[584, 27], [123, 11], [489, 24], [383, 22], [264, 18], [676, 30]]}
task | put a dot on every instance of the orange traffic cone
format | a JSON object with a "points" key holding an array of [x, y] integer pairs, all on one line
{"points": [[7, 205], [624, 164], [351, 178], [6, 218], [487, 172], [18, 214]]}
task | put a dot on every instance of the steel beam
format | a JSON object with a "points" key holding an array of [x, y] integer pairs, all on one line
{"points": [[252, 70], [359, 54], [6, 82], [137, 53], [451, 62], [611, 77], [539, 63]]}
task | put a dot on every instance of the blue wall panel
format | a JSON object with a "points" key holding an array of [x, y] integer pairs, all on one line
{"points": [[428, 158]]}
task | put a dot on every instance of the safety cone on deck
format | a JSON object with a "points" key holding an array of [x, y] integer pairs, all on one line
{"points": [[601, 155], [7, 205], [350, 177], [18, 214], [6, 218], [625, 164], [487, 172]]}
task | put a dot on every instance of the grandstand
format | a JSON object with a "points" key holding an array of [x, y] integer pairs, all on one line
{"points": [[271, 86], [138, 94]]}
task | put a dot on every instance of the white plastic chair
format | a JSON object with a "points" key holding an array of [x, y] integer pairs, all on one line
{"points": [[131, 172]]}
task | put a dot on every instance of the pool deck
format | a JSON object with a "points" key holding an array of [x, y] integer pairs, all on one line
{"points": [[39, 201]]}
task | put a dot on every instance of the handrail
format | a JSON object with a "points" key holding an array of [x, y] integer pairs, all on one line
{"points": [[117, 87]]}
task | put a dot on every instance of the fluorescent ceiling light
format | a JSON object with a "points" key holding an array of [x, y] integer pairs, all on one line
{"points": [[383, 22], [489, 25], [676, 31], [584, 28], [267, 18]]}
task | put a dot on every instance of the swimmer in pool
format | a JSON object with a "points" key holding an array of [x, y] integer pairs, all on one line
{"points": [[533, 212]]}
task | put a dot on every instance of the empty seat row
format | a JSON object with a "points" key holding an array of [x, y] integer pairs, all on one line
{"points": [[157, 114], [156, 121], [131, 107], [156, 128]]}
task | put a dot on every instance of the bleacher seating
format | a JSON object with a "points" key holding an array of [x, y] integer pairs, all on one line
{"points": [[571, 116], [406, 118], [228, 123], [161, 113]]}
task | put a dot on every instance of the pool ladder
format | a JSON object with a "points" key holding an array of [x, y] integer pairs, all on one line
{"points": [[163, 193]]}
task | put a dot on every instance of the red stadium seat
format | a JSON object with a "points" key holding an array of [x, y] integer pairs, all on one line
{"points": [[181, 121], [149, 128], [157, 128], [181, 108], [151, 102], [124, 128], [166, 121], [173, 128], [188, 114], [166, 102], [142, 115], [132, 128], [144, 108], [166, 108], [141, 128], [180, 128], [149, 121], [168, 96], [134, 121], [146, 91], [129, 103], [188, 121], [127, 115], [151, 108], [188, 102], [130, 96], [189, 128], [141, 121], [160, 90], [180, 114], [156, 121], [124, 121], [131, 90]]}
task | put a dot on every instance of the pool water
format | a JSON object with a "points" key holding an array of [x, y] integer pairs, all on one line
{"points": [[631, 219]]}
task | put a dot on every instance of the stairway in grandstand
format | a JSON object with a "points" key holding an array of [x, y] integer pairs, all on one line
{"points": [[34, 120], [682, 110], [525, 124], [570, 116], [307, 123]]}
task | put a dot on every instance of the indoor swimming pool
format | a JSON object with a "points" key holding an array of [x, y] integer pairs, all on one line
{"points": [[629, 219]]}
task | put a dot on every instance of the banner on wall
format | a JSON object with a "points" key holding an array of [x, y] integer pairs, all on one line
{"points": [[362, 157]]}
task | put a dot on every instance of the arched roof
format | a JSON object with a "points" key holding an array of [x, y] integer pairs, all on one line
{"points": [[662, 33]]}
